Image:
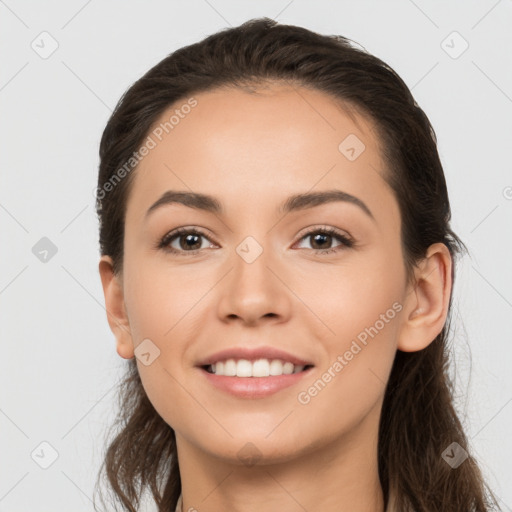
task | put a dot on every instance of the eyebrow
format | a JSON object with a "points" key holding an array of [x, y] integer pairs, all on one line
{"points": [[294, 203]]}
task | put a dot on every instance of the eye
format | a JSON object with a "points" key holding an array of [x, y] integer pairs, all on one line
{"points": [[323, 236], [186, 238]]}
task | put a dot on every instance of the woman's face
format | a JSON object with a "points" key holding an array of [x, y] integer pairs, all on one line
{"points": [[264, 274]]}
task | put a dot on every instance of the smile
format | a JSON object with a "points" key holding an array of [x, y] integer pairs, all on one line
{"points": [[259, 368], [250, 380]]}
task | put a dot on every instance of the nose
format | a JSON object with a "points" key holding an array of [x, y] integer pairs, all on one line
{"points": [[255, 292]]}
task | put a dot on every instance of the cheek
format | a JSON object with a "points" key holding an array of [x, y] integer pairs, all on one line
{"points": [[159, 298], [160, 307], [352, 380], [163, 305], [361, 314], [353, 296]]}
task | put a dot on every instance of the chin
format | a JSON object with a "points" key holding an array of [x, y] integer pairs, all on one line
{"points": [[246, 450]]}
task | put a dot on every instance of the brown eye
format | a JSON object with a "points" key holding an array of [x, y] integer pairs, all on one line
{"points": [[188, 241], [325, 236]]}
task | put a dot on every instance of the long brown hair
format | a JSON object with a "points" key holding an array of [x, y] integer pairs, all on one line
{"points": [[418, 421]]}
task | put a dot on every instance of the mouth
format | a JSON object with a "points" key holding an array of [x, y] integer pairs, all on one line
{"points": [[259, 368], [245, 379], [254, 372]]}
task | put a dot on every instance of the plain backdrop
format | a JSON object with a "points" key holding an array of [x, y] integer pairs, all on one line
{"points": [[64, 66]]}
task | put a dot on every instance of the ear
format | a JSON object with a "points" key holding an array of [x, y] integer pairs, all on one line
{"points": [[115, 306], [427, 300]]}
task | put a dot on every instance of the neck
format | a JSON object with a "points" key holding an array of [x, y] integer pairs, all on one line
{"points": [[340, 476]]}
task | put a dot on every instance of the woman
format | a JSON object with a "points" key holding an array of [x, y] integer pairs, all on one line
{"points": [[278, 265]]}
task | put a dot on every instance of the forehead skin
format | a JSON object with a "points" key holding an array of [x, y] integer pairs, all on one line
{"points": [[254, 150]]}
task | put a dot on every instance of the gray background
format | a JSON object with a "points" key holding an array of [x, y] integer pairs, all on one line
{"points": [[58, 361]]}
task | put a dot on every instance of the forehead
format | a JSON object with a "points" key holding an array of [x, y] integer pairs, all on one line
{"points": [[259, 147]]}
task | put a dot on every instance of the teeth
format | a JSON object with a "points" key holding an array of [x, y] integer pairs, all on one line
{"points": [[230, 367], [243, 368], [258, 368], [276, 367], [287, 368]]}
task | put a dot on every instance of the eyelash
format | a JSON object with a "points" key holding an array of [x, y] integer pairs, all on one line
{"points": [[169, 237]]}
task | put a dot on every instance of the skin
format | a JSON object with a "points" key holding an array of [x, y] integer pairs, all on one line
{"points": [[252, 151]]}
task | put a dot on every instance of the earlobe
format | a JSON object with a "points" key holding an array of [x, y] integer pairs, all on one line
{"points": [[426, 303], [115, 307]]}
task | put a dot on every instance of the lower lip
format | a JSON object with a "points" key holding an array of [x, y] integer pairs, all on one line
{"points": [[254, 387]]}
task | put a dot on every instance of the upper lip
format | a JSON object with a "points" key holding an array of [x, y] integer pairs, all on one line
{"points": [[252, 354]]}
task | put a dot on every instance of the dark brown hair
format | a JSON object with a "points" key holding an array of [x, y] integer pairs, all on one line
{"points": [[418, 420]]}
